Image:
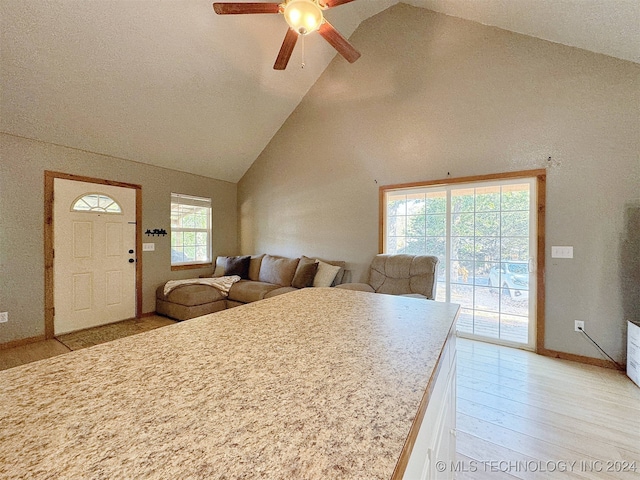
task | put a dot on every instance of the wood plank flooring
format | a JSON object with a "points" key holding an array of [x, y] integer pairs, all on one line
{"points": [[519, 415]]}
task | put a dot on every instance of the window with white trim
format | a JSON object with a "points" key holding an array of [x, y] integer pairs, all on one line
{"points": [[190, 230], [96, 203]]}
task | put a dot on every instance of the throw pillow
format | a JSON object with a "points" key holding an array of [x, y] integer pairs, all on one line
{"points": [[221, 265], [254, 267], [238, 266], [326, 274], [305, 275]]}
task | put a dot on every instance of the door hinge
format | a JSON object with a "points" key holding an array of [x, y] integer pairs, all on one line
{"points": [[54, 311]]}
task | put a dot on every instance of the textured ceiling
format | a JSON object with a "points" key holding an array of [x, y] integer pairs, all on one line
{"points": [[172, 84]]}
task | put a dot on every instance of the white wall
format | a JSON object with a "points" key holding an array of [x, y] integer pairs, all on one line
{"points": [[433, 95]]}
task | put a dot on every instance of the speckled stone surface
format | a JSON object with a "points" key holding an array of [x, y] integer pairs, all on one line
{"points": [[316, 384]]}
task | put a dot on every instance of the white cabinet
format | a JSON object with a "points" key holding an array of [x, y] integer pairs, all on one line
{"points": [[633, 352], [434, 452]]}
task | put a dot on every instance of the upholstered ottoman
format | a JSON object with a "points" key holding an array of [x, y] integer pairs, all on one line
{"points": [[189, 301]]}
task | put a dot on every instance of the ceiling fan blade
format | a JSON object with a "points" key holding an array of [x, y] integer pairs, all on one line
{"points": [[335, 3], [240, 8], [286, 49], [337, 41]]}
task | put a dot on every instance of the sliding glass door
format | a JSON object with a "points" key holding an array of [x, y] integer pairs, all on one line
{"points": [[484, 234]]}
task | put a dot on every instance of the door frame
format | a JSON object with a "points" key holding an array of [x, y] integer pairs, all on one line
{"points": [[541, 198], [49, 306]]}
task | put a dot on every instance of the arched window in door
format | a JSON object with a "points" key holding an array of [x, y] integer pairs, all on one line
{"points": [[96, 203]]}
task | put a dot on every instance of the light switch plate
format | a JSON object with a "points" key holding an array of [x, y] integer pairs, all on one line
{"points": [[562, 252], [148, 247]]}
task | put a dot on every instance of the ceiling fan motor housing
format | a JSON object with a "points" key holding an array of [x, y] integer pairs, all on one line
{"points": [[303, 16]]}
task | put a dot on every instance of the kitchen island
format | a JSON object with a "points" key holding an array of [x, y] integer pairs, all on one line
{"points": [[315, 384]]}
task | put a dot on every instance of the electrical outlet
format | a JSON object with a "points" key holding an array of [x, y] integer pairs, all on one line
{"points": [[579, 325], [4, 317]]}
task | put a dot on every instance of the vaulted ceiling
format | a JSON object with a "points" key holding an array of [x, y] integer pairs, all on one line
{"points": [[172, 84]]}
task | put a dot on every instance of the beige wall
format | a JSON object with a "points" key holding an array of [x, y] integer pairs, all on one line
{"points": [[434, 95], [22, 166]]}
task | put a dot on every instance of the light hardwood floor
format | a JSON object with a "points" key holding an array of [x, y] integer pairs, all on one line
{"points": [[528, 416], [519, 415]]}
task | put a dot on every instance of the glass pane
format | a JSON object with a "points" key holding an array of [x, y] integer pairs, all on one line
{"points": [[416, 226], [436, 202], [515, 249], [514, 328], [189, 253], [415, 246], [487, 199], [515, 197], [436, 246], [95, 202], [436, 225], [462, 225], [462, 200], [395, 245], [396, 204], [465, 321], [201, 253], [176, 239], [482, 270], [415, 204], [487, 249], [518, 304], [201, 238], [92, 200], [189, 238], [487, 224], [462, 294], [81, 206], [486, 300], [461, 271], [515, 224], [396, 226], [113, 208], [486, 324], [462, 248]]}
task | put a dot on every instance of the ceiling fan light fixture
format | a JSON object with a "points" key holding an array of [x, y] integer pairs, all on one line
{"points": [[303, 16]]}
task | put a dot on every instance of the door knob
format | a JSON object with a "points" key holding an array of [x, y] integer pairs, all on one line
{"points": [[131, 260], [130, 251]]}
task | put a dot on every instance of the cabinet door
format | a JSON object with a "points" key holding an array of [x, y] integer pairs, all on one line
{"points": [[434, 452]]}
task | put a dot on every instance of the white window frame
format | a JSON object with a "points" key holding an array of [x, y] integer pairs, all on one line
{"points": [[190, 202]]}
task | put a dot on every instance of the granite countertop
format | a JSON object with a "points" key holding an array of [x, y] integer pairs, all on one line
{"points": [[315, 384]]}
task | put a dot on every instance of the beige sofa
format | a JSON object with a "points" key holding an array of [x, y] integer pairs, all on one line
{"points": [[262, 276]]}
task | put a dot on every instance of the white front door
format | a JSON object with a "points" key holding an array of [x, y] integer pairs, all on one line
{"points": [[94, 254]]}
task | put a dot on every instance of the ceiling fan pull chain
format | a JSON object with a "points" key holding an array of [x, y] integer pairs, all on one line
{"points": [[302, 65]]}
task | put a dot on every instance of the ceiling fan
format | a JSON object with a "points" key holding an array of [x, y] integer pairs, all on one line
{"points": [[303, 17]]}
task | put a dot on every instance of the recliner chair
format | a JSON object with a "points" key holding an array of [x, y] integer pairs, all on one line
{"points": [[408, 275]]}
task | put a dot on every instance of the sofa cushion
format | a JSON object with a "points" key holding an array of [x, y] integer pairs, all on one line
{"points": [[305, 273], [339, 278], [247, 291], [190, 294], [280, 291], [238, 266], [278, 270], [326, 274], [254, 267]]}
